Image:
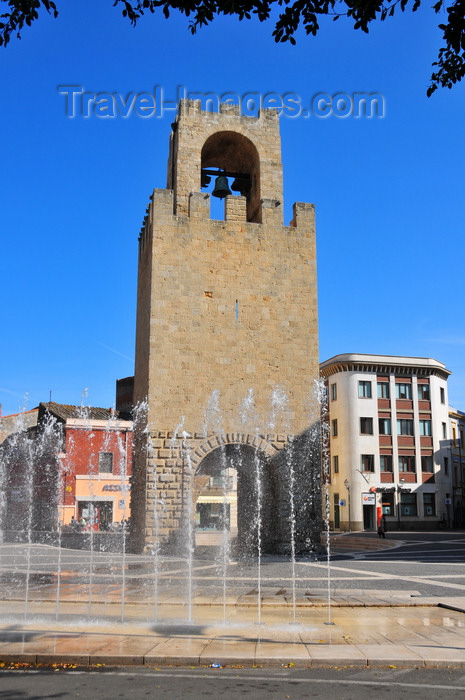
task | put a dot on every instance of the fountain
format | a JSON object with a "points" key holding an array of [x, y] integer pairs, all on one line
{"points": [[235, 578], [226, 478]]}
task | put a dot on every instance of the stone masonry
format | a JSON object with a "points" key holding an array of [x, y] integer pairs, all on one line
{"points": [[226, 306]]}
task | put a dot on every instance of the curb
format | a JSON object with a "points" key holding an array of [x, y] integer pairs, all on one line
{"points": [[325, 660]]}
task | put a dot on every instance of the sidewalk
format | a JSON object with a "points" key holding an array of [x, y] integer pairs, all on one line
{"points": [[369, 632]]}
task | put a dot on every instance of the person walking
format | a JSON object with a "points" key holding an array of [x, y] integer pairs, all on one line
{"points": [[382, 527]]}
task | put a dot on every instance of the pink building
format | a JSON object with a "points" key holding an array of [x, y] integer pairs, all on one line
{"points": [[74, 463]]}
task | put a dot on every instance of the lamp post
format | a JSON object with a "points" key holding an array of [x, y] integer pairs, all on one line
{"points": [[347, 485], [399, 492]]}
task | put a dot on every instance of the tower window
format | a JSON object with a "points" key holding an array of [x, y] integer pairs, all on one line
{"points": [[230, 165]]}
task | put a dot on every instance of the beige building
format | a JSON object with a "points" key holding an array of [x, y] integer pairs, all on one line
{"points": [[227, 341], [457, 447], [389, 442]]}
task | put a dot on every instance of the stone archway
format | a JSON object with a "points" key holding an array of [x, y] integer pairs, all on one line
{"points": [[254, 506]]}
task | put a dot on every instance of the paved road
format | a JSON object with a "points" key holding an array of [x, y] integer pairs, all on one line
{"points": [[231, 684], [427, 564], [414, 546]]}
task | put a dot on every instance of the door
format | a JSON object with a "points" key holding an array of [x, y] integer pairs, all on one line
{"points": [[368, 517], [337, 514]]}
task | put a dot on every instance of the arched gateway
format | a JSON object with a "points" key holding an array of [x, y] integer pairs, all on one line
{"points": [[226, 306], [236, 490]]}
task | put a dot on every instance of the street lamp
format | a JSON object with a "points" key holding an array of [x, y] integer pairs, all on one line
{"points": [[347, 485], [399, 492]]}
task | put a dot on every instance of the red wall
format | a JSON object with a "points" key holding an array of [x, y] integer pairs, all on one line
{"points": [[82, 455]]}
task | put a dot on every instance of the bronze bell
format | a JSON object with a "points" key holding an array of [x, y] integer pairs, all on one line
{"points": [[240, 185], [204, 180], [221, 187]]}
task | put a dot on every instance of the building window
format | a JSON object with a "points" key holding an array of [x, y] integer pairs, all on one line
{"points": [[364, 390], [213, 516], [429, 504], [105, 462], [366, 426], [404, 391], [368, 463], [385, 463], [387, 503], [334, 427], [425, 427], [224, 482], [333, 392], [404, 426], [454, 436], [384, 426], [446, 465], [444, 431], [443, 394], [427, 463], [383, 390], [406, 463], [336, 465], [423, 392], [408, 504]]}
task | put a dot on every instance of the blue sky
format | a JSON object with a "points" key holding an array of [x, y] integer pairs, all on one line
{"points": [[388, 192]]}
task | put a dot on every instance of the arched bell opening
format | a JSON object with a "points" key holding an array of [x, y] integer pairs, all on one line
{"points": [[230, 164], [235, 491]]}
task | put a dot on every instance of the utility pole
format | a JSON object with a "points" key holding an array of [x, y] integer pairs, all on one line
{"points": [[347, 485]]}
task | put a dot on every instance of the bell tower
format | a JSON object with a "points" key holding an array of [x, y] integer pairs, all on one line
{"points": [[226, 309]]}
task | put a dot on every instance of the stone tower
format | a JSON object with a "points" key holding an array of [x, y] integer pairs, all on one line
{"points": [[226, 344]]}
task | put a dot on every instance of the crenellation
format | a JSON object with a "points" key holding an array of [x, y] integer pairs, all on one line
{"points": [[271, 213], [235, 209], [199, 205], [303, 214]]}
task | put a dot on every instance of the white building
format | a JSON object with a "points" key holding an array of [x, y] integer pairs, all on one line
{"points": [[389, 442]]}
